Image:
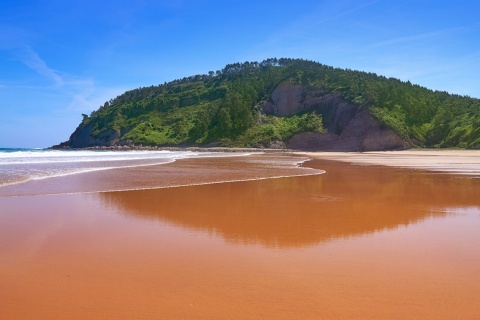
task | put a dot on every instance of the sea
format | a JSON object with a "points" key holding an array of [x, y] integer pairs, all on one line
{"points": [[21, 165]]}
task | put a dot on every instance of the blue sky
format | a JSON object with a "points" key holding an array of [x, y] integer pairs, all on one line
{"points": [[59, 59]]}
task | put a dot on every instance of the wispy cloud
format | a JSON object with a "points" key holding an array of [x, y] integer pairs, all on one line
{"points": [[421, 37], [305, 36], [74, 94], [346, 12], [32, 60], [88, 97]]}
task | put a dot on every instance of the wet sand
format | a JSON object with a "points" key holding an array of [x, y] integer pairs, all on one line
{"points": [[185, 172], [358, 242]]}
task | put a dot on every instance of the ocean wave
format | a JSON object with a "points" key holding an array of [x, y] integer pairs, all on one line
{"points": [[31, 156], [21, 165]]}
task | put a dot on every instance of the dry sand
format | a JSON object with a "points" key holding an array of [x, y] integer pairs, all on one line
{"points": [[465, 162]]}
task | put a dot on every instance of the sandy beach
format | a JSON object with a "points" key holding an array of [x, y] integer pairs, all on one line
{"points": [[274, 236], [464, 162]]}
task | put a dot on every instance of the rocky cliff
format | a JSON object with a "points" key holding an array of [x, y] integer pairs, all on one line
{"points": [[348, 126]]}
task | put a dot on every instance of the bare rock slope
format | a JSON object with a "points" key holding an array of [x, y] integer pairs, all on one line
{"points": [[349, 126]]}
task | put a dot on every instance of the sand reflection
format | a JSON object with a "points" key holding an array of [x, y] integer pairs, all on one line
{"points": [[347, 201]]}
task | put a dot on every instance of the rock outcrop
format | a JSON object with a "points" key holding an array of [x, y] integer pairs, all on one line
{"points": [[82, 137], [349, 126]]}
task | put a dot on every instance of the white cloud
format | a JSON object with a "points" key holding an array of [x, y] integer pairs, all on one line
{"points": [[78, 95], [440, 34], [346, 12], [88, 98], [32, 60]]}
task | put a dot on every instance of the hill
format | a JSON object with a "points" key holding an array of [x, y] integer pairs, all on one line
{"points": [[281, 103]]}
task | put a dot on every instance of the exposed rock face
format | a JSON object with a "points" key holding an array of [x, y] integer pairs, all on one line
{"points": [[286, 100], [82, 138], [349, 127], [361, 133]]}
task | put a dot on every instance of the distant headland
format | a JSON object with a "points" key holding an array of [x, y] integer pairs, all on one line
{"points": [[283, 104]]}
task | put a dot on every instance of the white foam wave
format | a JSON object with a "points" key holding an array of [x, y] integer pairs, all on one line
{"points": [[57, 156], [21, 166], [86, 170]]}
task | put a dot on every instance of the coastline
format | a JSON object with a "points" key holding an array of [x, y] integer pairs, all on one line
{"points": [[179, 173], [254, 164], [455, 161], [192, 149]]}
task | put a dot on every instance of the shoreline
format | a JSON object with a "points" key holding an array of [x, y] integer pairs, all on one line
{"points": [[247, 149], [179, 173], [446, 160], [250, 167], [419, 159], [192, 149]]}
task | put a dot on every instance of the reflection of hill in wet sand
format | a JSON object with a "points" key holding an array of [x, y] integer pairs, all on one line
{"points": [[347, 201]]}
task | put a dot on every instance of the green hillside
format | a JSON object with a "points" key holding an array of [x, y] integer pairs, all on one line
{"points": [[226, 108]]}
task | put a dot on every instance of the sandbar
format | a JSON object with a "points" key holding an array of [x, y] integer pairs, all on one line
{"points": [[464, 162]]}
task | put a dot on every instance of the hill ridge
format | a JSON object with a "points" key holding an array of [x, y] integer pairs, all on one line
{"points": [[280, 103]]}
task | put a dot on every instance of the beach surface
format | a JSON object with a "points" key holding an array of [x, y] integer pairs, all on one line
{"points": [[265, 236], [184, 172], [464, 162]]}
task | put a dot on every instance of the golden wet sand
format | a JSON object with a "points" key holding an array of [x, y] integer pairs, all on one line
{"points": [[358, 242]]}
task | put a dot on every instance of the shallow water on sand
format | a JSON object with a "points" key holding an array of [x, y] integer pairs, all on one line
{"points": [[22, 165], [164, 172], [354, 243]]}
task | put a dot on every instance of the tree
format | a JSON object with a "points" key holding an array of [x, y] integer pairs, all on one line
{"points": [[224, 122], [200, 127]]}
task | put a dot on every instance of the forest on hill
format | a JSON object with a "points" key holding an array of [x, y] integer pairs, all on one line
{"points": [[240, 106]]}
